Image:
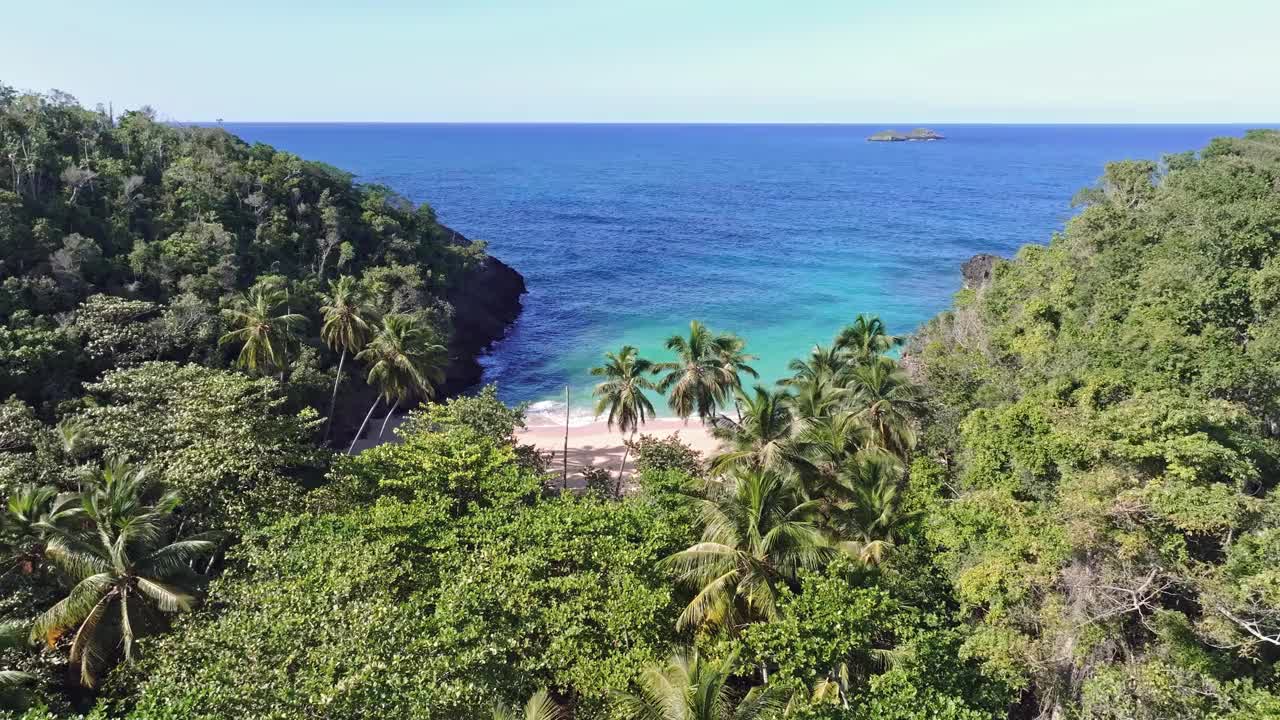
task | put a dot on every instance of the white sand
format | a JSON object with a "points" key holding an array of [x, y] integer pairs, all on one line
{"points": [[595, 445], [590, 445]]}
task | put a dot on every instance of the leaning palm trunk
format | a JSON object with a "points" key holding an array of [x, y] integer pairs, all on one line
{"points": [[622, 465], [333, 401], [390, 411], [364, 424]]}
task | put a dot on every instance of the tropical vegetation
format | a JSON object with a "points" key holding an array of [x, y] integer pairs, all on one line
{"points": [[1052, 501]]}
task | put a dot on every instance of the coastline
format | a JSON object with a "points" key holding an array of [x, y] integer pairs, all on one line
{"points": [[591, 444], [594, 445]]}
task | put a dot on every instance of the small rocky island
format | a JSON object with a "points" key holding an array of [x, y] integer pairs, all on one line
{"points": [[917, 135]]}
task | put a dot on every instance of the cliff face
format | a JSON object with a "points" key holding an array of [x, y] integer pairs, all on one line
{"points": [[976, 274], [485, 303], [977, 271]]}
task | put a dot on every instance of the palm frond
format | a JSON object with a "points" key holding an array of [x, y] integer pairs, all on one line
{"points": [[167, 598], [10, 679], [72, 609]]}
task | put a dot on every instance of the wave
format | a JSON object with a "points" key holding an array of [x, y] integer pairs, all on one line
{"points": [[550, 413]]}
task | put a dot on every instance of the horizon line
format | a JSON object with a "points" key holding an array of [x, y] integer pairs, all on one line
{"points": [[730, 123]]}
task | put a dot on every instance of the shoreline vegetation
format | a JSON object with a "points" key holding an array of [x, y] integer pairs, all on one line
{"points": [[126, 239], [1057, 501]]}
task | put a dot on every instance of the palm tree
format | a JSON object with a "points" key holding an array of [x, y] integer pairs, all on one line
{"points": [[758, 439], [124, 571], [347, 328], [754, 539], [866, 338], [815, 399], [73, 437], [623, 394], [693, 381], [733, 358], [820, 450], [866, 515], [691, 687], [707, 370], [403, 362], [33, 513], [261, 333], [823, 365], [540, 706], [888, 402], [13, 634]]}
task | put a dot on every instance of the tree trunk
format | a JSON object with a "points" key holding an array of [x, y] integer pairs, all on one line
{"points": [[622, 465], [565, 479], [390, 411], [363, 424], [333, 401]]}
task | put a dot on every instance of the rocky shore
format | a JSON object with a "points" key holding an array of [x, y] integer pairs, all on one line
{"points": [[977, 270], [976, 273], [485, 303]]}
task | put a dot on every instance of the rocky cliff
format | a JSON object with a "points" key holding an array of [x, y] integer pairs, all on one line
{"points": [[485, 303], [977, 271]]}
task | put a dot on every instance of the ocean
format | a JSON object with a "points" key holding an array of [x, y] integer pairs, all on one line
{"points": [[779, 233]]}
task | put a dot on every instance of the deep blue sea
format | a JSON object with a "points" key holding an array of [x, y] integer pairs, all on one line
{"points": [[780, 233]]}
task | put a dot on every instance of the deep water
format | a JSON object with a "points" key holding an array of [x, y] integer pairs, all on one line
{"points": [[779, 233]]}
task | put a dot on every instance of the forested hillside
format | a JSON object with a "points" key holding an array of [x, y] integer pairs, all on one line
{"points": [[124, 240], [1054, 501], [1103, 436]]}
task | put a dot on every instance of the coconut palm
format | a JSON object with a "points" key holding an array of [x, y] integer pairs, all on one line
{"points": [[821, 449], [733, 359], [823, 365], [622, 394], [73, 438], [403, 362], [692, 687], [694, 382], [260, 332], [540, 706], [707, 371], [33, 513], [866, 338], [866, 513], [754, 539], [814, 399], [348, 325], [126, 575], [888, 403], [13, 634], [759, 437]]}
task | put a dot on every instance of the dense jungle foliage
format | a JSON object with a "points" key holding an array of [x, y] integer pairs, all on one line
{"points": [[124, 240], [1053, 501]]}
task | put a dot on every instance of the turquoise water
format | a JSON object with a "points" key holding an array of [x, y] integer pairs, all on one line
{"points": [[779, 233]]}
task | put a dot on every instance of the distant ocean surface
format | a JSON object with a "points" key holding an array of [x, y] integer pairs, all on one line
{"points": [[780, 233]]}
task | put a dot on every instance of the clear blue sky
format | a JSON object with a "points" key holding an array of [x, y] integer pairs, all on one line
{"points": [[658, 60]]}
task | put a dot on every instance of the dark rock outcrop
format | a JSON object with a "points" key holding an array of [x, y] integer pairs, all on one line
{"points": [[977, 270], [485, 303]]}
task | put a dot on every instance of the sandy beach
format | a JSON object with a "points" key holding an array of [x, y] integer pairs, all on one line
{"points": [[591, 444], [595, 445]]}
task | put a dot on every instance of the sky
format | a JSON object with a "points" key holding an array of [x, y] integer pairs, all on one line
{"points": [[844, 61]]}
